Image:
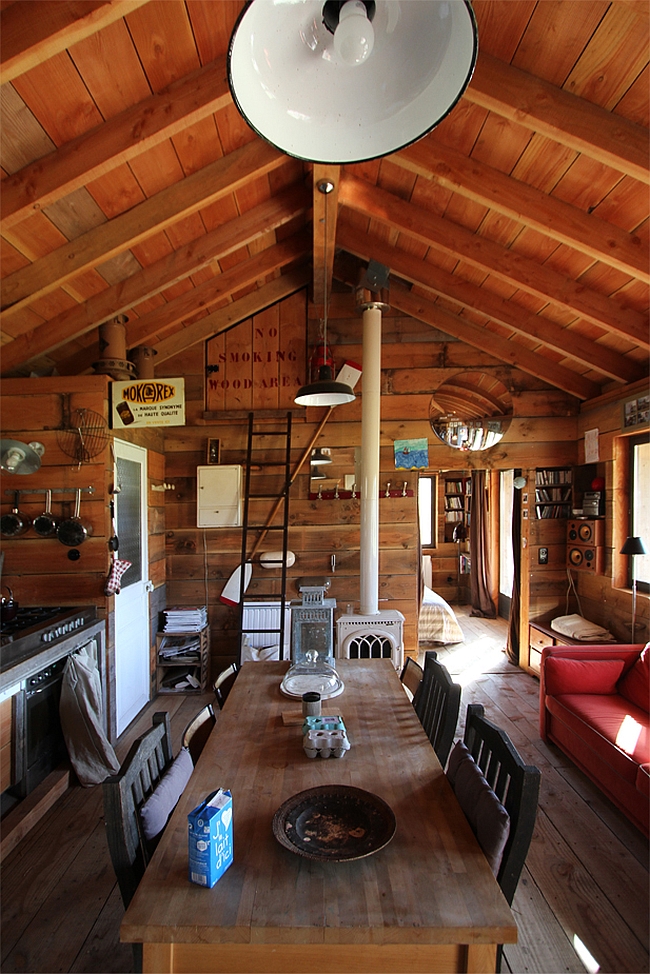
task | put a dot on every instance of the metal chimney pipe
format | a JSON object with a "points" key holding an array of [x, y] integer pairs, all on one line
{"points": [[371, 307]]}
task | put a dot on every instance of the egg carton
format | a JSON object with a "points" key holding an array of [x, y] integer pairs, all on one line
{"points": [[324, 737]]}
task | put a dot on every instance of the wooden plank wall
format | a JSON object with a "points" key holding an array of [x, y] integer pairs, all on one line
{"points": [[415, 359]]}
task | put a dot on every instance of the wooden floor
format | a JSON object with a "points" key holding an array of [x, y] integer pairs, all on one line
{"points": [[581, 904]]}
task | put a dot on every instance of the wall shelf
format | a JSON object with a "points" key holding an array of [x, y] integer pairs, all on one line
{"points": [[187, 670]]}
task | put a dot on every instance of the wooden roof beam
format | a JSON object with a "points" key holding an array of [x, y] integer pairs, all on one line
{"points": [[225, 318], [324, 230], [170, 205], [507, 265], [49, 28], [120, 139], [598, 357], [526, 204], [176, 266], [502, 348], [561, 116]]}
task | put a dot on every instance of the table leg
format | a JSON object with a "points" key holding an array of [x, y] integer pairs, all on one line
{"points": [[157, 958], [481, 959]]}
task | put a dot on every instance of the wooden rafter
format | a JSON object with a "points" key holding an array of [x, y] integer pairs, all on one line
{"points": [[119, 298], [151, 216], [528, 205], [506, 265], [51, 28], [560, 116], [120, 139], [464, 294]]}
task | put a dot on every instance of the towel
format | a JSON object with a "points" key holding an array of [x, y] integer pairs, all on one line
{"points": [[575, 627]]}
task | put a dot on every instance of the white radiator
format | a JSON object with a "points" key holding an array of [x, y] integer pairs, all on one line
{"points": [[264, 617], [371, 637]]}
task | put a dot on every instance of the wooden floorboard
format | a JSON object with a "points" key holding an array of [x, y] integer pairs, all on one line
{"points": [[585, 882]]}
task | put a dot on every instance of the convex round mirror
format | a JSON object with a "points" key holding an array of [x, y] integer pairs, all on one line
{"points": [[470, 411]]}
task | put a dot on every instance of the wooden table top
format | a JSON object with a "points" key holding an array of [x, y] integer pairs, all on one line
{"points": [[429, 885]]}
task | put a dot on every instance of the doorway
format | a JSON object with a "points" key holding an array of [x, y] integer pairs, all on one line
{"points": [[132, 637], [506, 557]]}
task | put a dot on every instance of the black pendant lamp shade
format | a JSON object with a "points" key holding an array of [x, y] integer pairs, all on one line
{"points": [[388, 74], [633, 546], [319, 458], [326, 391]]}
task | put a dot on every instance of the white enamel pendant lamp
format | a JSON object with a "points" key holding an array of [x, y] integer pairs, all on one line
{"points": [[395, 73]]}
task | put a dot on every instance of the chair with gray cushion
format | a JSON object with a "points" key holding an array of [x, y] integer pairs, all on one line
{"points": [[437, 705], [498, 794], [198, 730]]}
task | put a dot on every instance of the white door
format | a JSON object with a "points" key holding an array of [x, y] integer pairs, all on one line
{"points": [[132, 678]]}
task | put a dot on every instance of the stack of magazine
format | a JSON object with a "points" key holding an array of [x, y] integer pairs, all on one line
{"points": [[185, 618]]}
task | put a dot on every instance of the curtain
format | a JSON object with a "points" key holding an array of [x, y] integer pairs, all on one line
{"points": [[512, 644], [482, 604]]}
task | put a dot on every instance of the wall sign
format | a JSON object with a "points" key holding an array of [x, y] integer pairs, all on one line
{"points": [[636, 411], [148, 402], [411, 454]]}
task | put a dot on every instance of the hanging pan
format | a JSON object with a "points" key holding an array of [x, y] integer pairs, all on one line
{"points": [[74, 530], [14, 524], [46, 524]]}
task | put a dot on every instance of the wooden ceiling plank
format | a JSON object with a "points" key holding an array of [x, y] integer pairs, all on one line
{"points": [[503, 349], [50, 28], [325, 212], [165, 272], [505, 312], [120, 139], [506, 265], [529, 205], [141, 330], [151, 216], [550, 111], [225, 318]]}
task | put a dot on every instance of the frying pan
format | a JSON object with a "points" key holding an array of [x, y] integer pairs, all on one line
{"points": [[14, 524], [74, 530], [46, 524]]}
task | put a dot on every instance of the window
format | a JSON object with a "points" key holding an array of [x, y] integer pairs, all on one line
{"points": [[427, 491], [640, 508]]}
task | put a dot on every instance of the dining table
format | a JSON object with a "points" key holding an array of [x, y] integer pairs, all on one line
{"points": [[425, 901]]}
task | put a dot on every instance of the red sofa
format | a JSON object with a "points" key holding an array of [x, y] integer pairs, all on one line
{"points": [[594, 703]]}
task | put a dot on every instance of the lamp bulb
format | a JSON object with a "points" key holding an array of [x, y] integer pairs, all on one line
{"points": [[354, 36]]}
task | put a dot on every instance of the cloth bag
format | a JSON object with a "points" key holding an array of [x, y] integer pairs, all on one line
{"points": [[80, 710]]}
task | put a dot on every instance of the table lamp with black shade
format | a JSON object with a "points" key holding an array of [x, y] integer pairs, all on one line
{"points": [[633, 546]]}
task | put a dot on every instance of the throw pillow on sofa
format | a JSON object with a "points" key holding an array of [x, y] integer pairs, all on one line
{"points": [[635, 685], [564, 675]]}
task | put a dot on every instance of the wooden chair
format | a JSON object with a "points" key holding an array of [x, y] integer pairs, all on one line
{"points": [[437, 705], [125, 793], [223, 684], [198, 730], [411, 677], [515, 784]]}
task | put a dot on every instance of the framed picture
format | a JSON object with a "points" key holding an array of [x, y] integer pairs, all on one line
{"points": [[214, 451]]}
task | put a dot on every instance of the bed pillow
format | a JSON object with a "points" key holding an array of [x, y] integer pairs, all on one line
{"points": [[155, 812], [635, 685], [564, 675]]}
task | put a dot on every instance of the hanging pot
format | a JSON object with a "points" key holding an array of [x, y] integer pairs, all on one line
{"points": [[14, 524], [46, 524], [74, 530], [8, 607]]}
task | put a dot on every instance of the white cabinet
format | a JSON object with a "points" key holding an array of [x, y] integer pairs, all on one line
{"points": [[218, 495]]}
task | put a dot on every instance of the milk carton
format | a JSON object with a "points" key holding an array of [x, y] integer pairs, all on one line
{"points": [[209, 829]]}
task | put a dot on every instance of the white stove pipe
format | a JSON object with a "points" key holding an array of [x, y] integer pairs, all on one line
{"points": [[370, 427]]}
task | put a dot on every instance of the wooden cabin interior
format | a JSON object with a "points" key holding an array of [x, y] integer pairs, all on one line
{"points": [[149, 233]]}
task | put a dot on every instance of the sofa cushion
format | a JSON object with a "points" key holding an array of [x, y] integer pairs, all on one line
{"points": [[635, 685], [564, 675], [643, 780], [613, 728]]}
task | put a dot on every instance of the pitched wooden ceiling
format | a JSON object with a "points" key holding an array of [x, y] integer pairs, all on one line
{"points": [[130, 184]]}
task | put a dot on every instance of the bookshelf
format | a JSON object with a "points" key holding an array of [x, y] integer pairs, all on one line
{"points": [[182, 660], [458, 504], [553, 492]]}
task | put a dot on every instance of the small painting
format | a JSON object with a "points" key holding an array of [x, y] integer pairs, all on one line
{"points": [[411, 454], [214, 451]]}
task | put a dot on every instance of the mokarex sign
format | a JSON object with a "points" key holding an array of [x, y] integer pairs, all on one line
{"points": [[148, 402]]}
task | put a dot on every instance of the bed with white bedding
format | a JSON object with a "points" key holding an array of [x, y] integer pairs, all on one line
{"points": [[437, 623]]}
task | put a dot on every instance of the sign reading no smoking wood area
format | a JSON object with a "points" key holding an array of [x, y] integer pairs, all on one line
{"points": [[148, 402]]}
